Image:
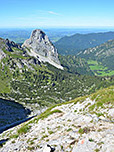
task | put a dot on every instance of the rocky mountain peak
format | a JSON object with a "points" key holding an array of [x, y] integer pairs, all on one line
{"points": [[40, 46], [11, 44], [38, 34]]}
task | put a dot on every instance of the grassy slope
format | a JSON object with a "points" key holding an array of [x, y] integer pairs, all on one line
{"points": [[103, 99]]}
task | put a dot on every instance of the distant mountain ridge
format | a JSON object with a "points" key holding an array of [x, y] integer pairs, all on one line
{"points": [[99, 52], [71, 45]]}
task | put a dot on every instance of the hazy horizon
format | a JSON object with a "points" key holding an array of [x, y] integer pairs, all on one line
{"points": [[61, 27], [19, 35]]}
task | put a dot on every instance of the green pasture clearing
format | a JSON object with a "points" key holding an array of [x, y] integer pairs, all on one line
{"points": [[99, 69], [107, 73], [92, 62]]}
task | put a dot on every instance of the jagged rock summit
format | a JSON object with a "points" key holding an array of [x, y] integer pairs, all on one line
{"points": [[40, 46]]}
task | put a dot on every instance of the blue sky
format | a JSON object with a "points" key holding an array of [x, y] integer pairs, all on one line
{"points": [[56, 13]]}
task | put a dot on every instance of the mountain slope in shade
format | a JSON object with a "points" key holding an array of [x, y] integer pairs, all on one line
{"points": [[74, 64], [69, 45]]}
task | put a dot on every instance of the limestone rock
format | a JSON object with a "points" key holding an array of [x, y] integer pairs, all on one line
{"points": [[41, 47], [48, 148], [2, 54], [7, 45], [72, 130], [11, 44]]}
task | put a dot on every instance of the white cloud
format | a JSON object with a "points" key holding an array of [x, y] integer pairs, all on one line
{"points": [[43, 12], [51, 12]]}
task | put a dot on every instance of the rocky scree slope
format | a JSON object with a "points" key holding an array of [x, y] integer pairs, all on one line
{"points": [[85, 124]]}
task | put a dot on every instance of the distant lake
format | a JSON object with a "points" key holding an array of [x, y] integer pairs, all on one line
{"points": [[11, 111]]}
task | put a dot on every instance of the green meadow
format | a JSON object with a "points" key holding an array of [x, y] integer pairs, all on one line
{"points": [[99, 69]]}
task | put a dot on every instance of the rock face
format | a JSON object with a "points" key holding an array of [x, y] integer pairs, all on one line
{"points": [[2, 45], [11, 44], [6, 45], [2, 54], [41, 47]]}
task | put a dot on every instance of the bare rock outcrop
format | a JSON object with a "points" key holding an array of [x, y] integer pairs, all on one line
{"points": [[40, 46], [6, 46]]}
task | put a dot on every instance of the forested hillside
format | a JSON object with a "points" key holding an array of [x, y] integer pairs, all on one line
{"points": [[100, 58], [71, 45], [74, 64]]}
